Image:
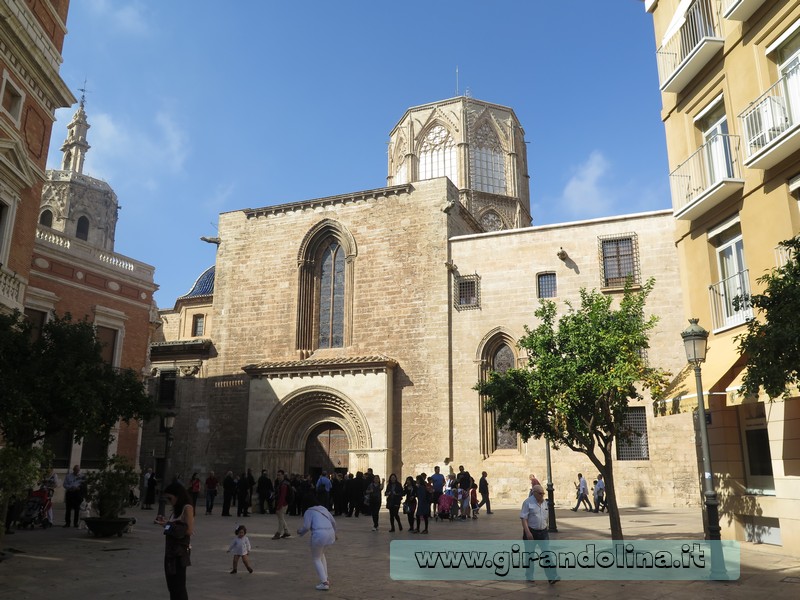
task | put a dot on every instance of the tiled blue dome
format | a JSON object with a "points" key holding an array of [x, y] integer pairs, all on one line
{"points": [[204, 286]]}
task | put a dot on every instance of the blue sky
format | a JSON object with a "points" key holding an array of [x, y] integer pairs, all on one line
{"points": [[201, 107]]}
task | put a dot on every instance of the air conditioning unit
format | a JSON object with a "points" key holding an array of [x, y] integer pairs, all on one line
{"points": [[766, 121]]}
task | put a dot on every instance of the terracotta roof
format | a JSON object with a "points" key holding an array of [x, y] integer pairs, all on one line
{"points": [[350, 364]]}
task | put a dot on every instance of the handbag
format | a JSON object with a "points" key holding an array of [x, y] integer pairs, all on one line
{"points": [[405, 508]]}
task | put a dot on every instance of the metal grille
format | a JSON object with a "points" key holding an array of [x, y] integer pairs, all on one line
{"points": [[467, 292], [546, 285], [636, 447], [619, 259]]}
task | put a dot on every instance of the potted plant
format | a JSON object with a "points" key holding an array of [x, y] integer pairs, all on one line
{"points": [[108, 490]]}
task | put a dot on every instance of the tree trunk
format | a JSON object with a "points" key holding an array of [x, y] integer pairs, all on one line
{"points": [[607, 471]]}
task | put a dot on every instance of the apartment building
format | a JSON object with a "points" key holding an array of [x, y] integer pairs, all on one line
{"points": [[729, 73]]}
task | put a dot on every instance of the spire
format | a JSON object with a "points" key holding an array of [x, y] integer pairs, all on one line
{"points": [[76, 146]]}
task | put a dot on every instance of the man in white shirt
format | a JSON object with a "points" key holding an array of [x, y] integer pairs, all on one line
{"points": [[535, 519], [583, 494], [599, 494]]}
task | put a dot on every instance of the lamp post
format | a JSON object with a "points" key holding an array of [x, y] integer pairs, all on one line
{"points": [[695, 341], [551, 509], [169, 423]]}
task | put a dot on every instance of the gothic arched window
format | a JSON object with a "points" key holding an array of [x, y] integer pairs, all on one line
{"points": [[497, 355], [437, 155], [488, 161], [46, 218], [331, 297], [325, 307], [82, 231]]}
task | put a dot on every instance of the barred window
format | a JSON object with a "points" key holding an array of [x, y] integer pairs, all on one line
{"points": [[546, 285], [619, 259], [636, 447], [467, 292], [166, 388]]}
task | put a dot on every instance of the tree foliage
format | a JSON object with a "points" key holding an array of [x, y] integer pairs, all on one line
{"points": [[771, 345], [58, 381], [108, 488], [583, 369]]}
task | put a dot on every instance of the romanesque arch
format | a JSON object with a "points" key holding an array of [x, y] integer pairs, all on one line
{"points": [[287, 430]]}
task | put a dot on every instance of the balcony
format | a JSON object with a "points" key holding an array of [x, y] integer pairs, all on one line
{"points": [[707, 177], [10, 290], [730, 301], [684, 54], [740, 10], [770, 124]]}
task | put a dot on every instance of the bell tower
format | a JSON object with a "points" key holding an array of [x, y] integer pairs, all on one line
{"points": [[75, 204], [479, 146], [76, 146]]}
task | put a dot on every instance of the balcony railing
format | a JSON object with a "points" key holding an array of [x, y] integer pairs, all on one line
{"points": [[10, 289], [707, 177], [740, 10], [730, 301], [782, 256], [770, 123], [689, 49], [87, 251]]}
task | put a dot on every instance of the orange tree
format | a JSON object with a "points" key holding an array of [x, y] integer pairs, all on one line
{"points": [[771, 345], [583, 369], [56, 380]]}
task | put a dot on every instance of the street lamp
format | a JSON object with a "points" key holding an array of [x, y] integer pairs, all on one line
{"points": [[695, 342], [169, 423], [551, 509]]}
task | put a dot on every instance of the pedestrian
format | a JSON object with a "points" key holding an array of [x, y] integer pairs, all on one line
{"points": [[194, 490], [240, 546], [483, 489], [251, 484], [372, 497], [322, 526], [178, 530], [600, 494], [438, 480], [282, 499], [534, 483], [410, 503], [473, 500], [149, 489], [211, 491], [535, 519], [582, 494], [264, 491], [228, 493], [73, 495], [243, 496], [323, 489], [355, 494], [424, 495], [394, 498]]}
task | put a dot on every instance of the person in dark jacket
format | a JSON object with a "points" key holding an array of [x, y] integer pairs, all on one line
{"points": [[228, 490], [373, 493], [264, 490], [243, 496], [394, 498]]}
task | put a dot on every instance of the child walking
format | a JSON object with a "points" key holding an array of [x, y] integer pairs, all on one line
{"points": [[240, 546]]}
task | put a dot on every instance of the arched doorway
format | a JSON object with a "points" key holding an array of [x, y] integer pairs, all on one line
{"points": [[326, 449]]}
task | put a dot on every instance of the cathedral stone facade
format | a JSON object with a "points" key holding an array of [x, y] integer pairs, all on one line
{"points": [[348, 332]]}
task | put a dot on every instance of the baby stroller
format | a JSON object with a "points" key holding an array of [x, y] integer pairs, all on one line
{"points": [[36, 509], [444, 510]]}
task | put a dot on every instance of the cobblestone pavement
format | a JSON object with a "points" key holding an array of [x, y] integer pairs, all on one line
{"points": [[69, 563]]}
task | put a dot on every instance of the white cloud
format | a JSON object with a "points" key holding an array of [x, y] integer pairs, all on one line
{"points": [[122, 152], [122, 16], [218, 200], [585, 195]]}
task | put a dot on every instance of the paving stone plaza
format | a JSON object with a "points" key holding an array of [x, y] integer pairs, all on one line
{"points": [[69, 563]]}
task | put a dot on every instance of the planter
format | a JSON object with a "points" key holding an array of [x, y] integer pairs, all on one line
{"points": [[106, 527]]}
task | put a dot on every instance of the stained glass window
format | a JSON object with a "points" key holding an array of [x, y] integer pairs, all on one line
{"points": [[331, 297], [502, 361]]}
